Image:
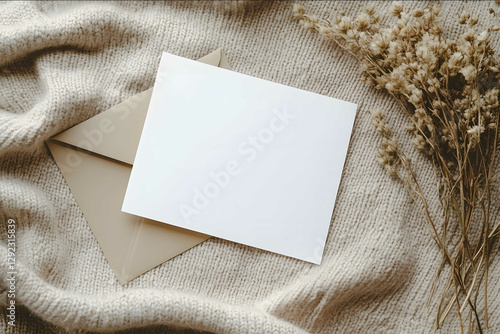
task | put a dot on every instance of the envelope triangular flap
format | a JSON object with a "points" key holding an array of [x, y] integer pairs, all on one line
{"points": [[95, 183], [115, 133]]}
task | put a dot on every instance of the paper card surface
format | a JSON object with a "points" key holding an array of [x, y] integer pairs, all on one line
{"points": [[240, 158]]}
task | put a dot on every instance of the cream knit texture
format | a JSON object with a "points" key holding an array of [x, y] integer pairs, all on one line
{"points": [[64, 62]]}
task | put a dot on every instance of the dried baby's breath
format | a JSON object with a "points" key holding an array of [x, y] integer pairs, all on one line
{"points": [[449, 89]]}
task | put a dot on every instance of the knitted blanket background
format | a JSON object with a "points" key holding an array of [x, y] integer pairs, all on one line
{"points": [[63, 62]]}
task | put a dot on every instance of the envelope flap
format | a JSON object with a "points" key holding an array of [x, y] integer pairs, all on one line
{"points": [[115, 133], [132, 245], [213, 58]]}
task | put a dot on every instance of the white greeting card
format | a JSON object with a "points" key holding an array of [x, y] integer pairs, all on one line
{"points": [[240, 158]]}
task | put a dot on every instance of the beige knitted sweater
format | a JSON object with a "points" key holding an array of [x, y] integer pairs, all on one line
{"points": [[64, 62]]}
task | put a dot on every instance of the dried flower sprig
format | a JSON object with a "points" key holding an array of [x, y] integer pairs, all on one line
{"points": [[449, 89]]}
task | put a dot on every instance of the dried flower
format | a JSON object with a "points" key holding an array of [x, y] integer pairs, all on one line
{"points": [[469, 73], [475, 131], [397, 8], [449, 89]]}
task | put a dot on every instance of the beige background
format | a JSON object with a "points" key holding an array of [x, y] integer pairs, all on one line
{"points": [[62, 63]]}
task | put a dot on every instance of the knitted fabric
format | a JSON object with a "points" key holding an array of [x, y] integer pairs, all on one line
{"points": [[64, 62]]}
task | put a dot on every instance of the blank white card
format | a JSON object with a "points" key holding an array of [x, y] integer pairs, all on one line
{"points": [[240, 158]]}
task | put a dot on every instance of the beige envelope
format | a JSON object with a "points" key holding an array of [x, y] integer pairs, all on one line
{"points": [[95, 158]]}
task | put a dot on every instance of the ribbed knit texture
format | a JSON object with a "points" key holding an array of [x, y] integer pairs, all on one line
{"points": [[62, 63]]}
